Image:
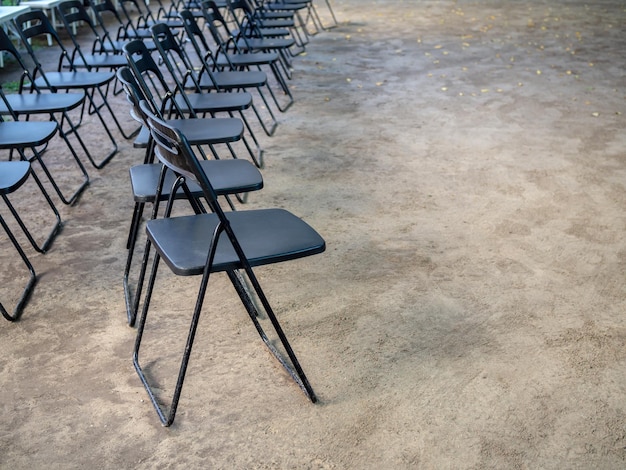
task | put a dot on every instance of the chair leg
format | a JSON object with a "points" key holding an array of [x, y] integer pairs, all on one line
{"points": [[95, 109], [167, 417], [166, 421], [332, 14], [132, 310], [256, 154], [271, 128], [283, 84], [65, 199], [55, 229], [17, 311], [285, 107], [292, 365], [130, 246]]}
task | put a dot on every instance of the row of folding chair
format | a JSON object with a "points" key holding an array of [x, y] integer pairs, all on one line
{"points": [[85, 78], [53, 102], [26, 140], [187, 136], [187, 119], [187, 97]]}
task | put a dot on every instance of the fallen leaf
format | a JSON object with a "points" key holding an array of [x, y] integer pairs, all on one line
{"points": [[595, 114]]}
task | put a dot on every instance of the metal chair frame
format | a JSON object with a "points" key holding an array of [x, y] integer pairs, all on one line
{"points": [[225, 247], [51, 104], [74, 14], [35, 23], [232, 177]]}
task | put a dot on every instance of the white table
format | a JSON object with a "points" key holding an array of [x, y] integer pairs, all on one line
{"points": [[6, 15]]}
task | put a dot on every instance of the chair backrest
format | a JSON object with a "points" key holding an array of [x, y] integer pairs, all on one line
{"points": [[35, 23], [173, 150], [73, 11], [193, 31], [133, 93], [150, 79], [73, 14], [136, 10], [176, 59], [213, 18], [105, 10], [243, 15], [6, 45]]}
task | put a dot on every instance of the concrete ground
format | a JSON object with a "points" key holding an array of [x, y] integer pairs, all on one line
{"points": [[465, 162]]}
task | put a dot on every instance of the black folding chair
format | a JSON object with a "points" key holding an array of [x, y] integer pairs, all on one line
{"points": [[241, 44], [222, 59], [139, 13], [56, 106], [295, 7], [250, 23], [12, 175], [107, 17], [207, 243], [104, 55], [19, 136], [35, 23], [178, 103], [228, 177]]}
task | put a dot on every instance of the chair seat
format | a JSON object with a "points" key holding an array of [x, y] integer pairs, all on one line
{"points": [[267, 32], [210, 130], [263, 44], [12, 175], [275, 23], [23, 134], [76, 79], [33, 103], [232, 80], [285, 6], [140, 33], [216, 102], [100, 61], [242, 60], [226, 176], [266, 14], [117, 47], [201, 131], [111, 46], [266, 236]]}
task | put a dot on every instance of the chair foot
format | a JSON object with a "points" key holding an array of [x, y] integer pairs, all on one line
{"points": [[17, 311]]}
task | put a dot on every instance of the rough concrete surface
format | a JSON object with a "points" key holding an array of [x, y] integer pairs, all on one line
{"points": [[465, 162]]}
